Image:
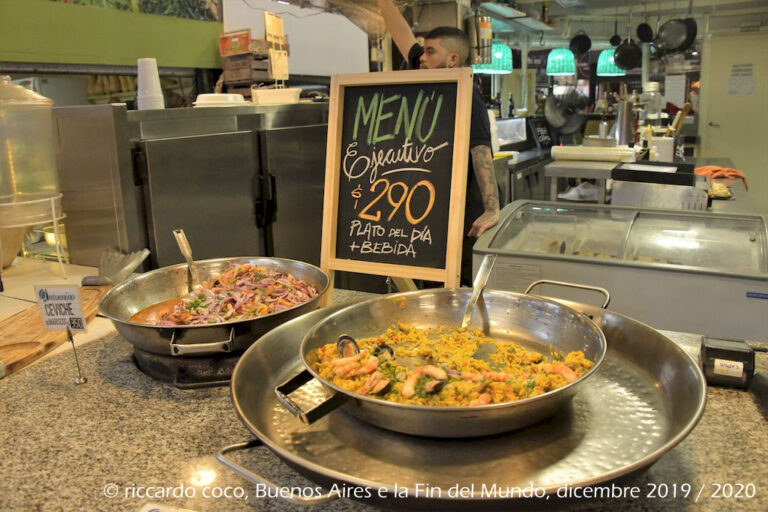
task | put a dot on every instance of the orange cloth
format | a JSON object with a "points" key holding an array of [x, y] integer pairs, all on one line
{"points": [[714, 171]]}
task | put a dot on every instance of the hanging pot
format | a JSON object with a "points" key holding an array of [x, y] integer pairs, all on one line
{"points": [[672, 35], [615, 38], [580, 44], [628, 55], [645, 32]]}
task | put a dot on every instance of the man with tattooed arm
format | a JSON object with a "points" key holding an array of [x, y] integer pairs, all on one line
{"points": [[448, 47]]}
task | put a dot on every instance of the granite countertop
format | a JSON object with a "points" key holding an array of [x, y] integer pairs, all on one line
{"points": [[66, 444]]}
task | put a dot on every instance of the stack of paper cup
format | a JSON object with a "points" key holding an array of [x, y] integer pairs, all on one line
{"points": [[149, 95]]}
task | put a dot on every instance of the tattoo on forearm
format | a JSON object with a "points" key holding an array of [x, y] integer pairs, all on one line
{"points": [[482, 160]]}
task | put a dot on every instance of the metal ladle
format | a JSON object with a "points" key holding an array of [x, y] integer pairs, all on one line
{"points": [[186, 251], [478, 285]]}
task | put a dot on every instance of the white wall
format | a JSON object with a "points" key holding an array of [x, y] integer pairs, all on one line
{"points": [[322, 44]]}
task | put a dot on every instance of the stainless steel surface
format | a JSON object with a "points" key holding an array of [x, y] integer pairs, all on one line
{"points": [[658, 195], [206, 185], [624, 126], [597, 289], [646, 398], [536, 323], [122, 171], [294, 498], [478, 285], [294, 158], [186, 251], [663, 267], [128, 298], [102, 200]]}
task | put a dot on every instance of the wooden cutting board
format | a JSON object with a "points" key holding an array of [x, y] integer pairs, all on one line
{"points": [[23, 339]]}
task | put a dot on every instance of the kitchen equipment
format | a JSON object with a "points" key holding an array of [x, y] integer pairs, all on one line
{"points": [[478, 285], [24, 338], [29, 185], [666, 185], [11, 240], [137, 293], [672, 35], [615, 39], [628, 55], [580, 43], [243, 163], [646, 398], [537, 323], [672, 269], [192, 275], [691, 31], [115, 267], [644, 30], [624, 125], [727, 362]]}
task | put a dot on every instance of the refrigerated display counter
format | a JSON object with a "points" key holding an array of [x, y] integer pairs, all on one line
{"points": [[695, 272]]}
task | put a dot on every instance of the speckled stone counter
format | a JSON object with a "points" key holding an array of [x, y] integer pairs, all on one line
{"points": [[67, 446]]}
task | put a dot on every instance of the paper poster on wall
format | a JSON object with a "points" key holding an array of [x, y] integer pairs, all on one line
{"points": [[674, 90], [741, 82]]}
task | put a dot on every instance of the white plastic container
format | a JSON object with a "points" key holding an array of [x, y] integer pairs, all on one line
{"points": [[220, 100], [149, 95], [275, 96]]}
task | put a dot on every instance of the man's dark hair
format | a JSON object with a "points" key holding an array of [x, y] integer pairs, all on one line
{"points": [[454, 39]]}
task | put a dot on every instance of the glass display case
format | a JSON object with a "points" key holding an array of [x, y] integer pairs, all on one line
{"points": [[670, 268], [703, 241]]}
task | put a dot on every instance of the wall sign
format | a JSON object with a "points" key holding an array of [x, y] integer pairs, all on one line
{"points": [[396, 171]]}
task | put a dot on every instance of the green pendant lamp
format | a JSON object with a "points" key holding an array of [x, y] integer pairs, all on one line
{"points": [[561, 62], [501, 63], [606, 66]]}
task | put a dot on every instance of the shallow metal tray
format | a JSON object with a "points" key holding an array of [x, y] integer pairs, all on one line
{"points": [[646, 398]]}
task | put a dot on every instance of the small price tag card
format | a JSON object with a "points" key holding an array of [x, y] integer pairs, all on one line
{"points": [[61, 307]]}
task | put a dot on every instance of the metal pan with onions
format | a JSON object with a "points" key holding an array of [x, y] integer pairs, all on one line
{"points": [[536, 323], [136, 294]]}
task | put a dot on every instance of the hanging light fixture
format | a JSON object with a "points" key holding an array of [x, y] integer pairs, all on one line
{"points": [[606, 66], [501, 63], [561, 62]]}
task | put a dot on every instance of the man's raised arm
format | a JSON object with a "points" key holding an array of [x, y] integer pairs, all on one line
{"points": [[397, 26]]}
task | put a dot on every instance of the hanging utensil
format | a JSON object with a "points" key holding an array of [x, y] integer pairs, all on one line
{"points": [[628, 55], [692, 30], [615, 38], [581, 43], [672, 34], [644, 31]]}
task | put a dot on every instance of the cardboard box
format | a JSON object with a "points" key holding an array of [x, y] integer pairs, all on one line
{"points": [[245, 62], [235, 43], [245, 75]]}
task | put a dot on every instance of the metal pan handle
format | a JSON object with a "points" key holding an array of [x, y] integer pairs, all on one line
{"points": [[307, 417], [598, 289], [214, 347], [258, 479]]}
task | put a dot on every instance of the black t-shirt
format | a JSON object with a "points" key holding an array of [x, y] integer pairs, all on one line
{"points": [[479, 135]]}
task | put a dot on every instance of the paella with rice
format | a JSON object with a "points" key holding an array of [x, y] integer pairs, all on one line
{"points": [[463, 367]]}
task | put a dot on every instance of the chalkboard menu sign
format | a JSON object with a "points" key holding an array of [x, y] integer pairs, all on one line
{"points": [[396, 173]]}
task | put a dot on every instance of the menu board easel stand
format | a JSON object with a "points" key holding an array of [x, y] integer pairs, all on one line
{"points": [[396, 174]]}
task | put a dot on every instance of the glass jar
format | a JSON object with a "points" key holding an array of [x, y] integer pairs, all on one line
{"points": [[652, 100], [28, 176]]}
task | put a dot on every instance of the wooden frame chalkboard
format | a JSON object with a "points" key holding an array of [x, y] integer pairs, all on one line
{"points": [[396, 174]]}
